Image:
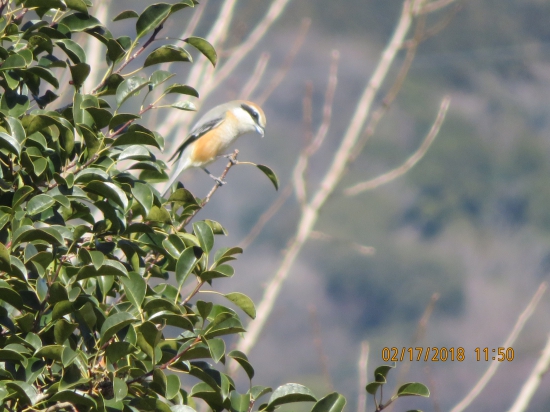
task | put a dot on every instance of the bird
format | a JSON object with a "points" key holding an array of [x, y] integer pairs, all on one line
{"points": [[213, 133]]}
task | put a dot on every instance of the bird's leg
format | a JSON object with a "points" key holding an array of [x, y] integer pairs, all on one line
{"points": [[219, 181]]}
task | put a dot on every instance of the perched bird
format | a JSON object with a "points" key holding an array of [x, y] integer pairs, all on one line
{"points": [[213, 133]]}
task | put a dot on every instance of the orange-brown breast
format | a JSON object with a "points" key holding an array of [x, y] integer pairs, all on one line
{"points": [[210, 145]]}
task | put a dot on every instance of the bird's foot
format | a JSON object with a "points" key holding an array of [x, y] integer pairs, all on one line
{"points": [[231, 158]]}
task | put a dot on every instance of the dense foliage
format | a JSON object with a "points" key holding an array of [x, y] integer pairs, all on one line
{"points": [[98, 271]]}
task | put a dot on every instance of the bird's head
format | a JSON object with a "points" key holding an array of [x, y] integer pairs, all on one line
{"points": [[251, 117]]}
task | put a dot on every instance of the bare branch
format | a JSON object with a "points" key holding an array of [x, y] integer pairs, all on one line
{"points": [[525, 315], [379, 113], [362, 379], [532, 383], [434, 5], [410, 162], [329, 182], [231, 163], [254, 80], [275, 10], [285, 67], [362, 249], [303, 160]]}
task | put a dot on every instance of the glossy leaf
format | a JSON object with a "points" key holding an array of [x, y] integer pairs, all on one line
{"points": [[182, 89], [290, 393], [205, 235], [10, 144], [129, 87], [120, 389], [167, 54], [186, 263], [126, 14], [135, 288], [242, 359], [333, 402], [151, 18], [114, 323], [39, 203], [204, 47], [270, 174], [185, 105], [413, 389], [243, 302]]}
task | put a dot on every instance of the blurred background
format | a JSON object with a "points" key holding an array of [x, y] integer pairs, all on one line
{"points": [[469, 223]]}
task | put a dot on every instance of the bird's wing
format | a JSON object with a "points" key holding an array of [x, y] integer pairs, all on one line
{"points": [[196, 134]]}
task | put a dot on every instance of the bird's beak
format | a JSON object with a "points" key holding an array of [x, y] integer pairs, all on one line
{"points": [[260, 130]]}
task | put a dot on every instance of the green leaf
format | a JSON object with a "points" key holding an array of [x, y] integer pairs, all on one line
{"points": [[151, 18], [413, 389], [216, 347], [290, 393], [118, 350], [120, 119], [134, 137], [204, 47], [78, 5], [80, 21], [185, 105], [173, 385], [72, 49], [159, 77], [109, 268], [243, 302], [239, 403], [167, 54], [204, 308], [14, 61], [44, 74], [258, 391], [144, 195], [109, 191], [13, 103], [270, 174], [383, 371], [113, 324], [50, 4], [120, 389], [126, 14], [7, 355], [62, 330], [28, 234], [135, 288], [74, 398], [186, 263], [333, 402], [372, 387], [242, 359], [53, 352], [39, 203], [10, 144], [129, 87], [115, 51], [181, 89], [27, 394], [79, 73], [205, 235]]}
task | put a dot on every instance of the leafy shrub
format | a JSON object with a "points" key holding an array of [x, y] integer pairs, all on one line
{"points": [[97, 269]]}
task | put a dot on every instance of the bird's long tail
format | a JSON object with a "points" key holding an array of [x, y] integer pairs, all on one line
{"points": [[181, 165]]}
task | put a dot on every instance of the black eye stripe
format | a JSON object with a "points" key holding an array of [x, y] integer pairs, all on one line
{"points": [[253, 113]]}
